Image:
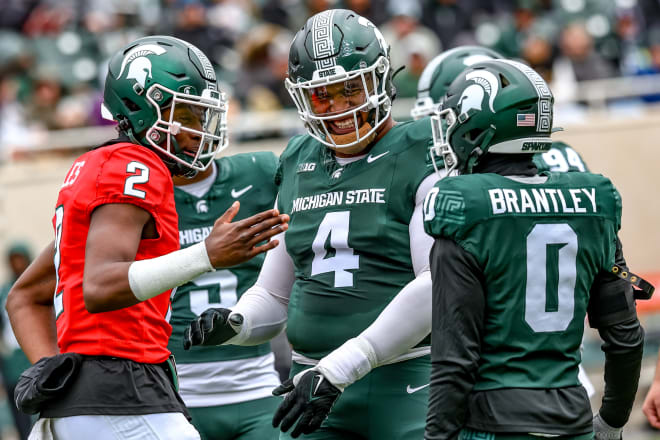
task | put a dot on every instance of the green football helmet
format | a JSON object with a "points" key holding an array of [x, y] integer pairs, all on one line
{"points": [[340, 79], [441, 71], [496, 106], [159, 73]]}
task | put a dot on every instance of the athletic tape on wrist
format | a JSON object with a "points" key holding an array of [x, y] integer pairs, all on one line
{"points": [[149, 278]]}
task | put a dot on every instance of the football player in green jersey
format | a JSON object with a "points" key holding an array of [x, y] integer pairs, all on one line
{"points": [[519, 260], [355, 258], [226, 389], [443, 69]]}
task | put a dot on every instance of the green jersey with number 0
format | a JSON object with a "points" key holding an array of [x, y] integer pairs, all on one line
{"points": [[348, 235], [540, 247]]}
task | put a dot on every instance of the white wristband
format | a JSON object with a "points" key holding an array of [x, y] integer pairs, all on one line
{"points": [[348, 363], [149, 278]]}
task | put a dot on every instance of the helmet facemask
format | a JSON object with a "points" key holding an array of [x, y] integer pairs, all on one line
{"points": [[424, 107], [365, 105], [443, 124], [202, 117]]}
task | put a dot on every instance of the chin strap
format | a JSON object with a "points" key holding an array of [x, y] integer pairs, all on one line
{"points": [[644, 289]]}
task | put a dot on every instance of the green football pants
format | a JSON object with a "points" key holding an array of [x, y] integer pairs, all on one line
{"points": [[239, 421], [388, 403]]}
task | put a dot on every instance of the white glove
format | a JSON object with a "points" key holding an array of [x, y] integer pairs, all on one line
{"points": [[603, 431]]}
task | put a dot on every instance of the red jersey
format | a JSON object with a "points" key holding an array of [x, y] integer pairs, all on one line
{"points": [[119, 173]]}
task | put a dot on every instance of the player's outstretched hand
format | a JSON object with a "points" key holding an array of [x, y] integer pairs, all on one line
{"points": [[651, 405], [309, 399], [231, 243], [212, 327]]}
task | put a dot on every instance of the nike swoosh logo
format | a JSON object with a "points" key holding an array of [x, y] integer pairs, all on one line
{"points": [[411, 390], [236, 194], [371, 158]]}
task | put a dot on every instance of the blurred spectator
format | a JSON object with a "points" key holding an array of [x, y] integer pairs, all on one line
{"points": [[418, 55], [578, 61], [567, 41], [260, 85], [46, 95], [449, 19], [374, 10], [12, 359], [577, 52], [192, 25], [406, 34]]}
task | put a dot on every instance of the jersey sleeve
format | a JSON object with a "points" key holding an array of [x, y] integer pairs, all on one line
{"points": [[444, 211], [287, 159], [132, 175]]}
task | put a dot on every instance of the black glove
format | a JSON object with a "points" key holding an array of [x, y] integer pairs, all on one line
{"points": [[310, 398], [213, 327], [45, 380]]}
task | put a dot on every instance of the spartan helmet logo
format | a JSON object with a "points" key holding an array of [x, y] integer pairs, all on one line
{"points": [[473, 95], [379, 36], [139, 65]]}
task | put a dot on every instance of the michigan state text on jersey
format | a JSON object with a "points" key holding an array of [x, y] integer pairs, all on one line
{"points": [[352, 185]]}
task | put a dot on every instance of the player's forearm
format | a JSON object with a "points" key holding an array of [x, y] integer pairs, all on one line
{"points": [[623, 349], [400, 326], [264, 316], [30, 307], [115, 285], [35, 330]]}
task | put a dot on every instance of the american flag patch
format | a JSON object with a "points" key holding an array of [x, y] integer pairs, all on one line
{"points": [[525, 120]]}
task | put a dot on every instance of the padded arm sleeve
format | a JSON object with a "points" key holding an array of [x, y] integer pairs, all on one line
{"points": [[264, 306], [400, 326], [404, 322]]}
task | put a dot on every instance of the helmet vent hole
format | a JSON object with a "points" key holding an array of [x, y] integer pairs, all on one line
{"points": [[131, 105], [505, 82], [473, 134], [527, 108], [177, 75]]}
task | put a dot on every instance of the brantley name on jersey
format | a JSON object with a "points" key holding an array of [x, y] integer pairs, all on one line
{"points": [[543, 200], [337, 198]]}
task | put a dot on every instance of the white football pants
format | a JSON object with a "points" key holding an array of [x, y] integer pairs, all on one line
{"points": [[162, 426]]}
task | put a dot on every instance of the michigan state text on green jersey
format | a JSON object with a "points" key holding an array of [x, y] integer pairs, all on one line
{"points": [[348, 235], [220, 375], [539, 245], [355, 241]]}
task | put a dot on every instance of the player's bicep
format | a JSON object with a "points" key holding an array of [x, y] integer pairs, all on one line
{"points": [[611, 299], [420, 241], [114, 234], [277, 274]]}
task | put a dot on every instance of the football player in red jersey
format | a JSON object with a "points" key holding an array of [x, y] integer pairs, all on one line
{"points": [[91, 310]]}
